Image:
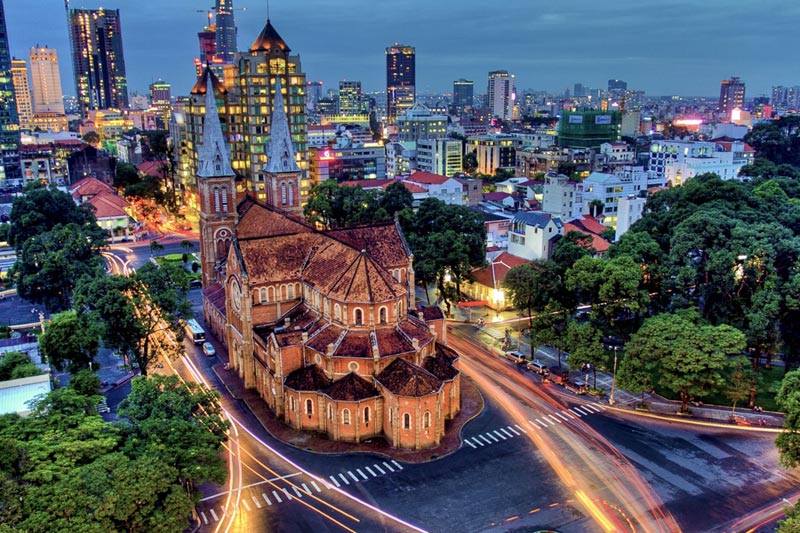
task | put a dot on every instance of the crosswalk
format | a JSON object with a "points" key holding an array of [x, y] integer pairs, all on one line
{"points": [[277, 496], [542, 423]]}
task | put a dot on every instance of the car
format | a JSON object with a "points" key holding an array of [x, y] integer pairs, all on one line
{"points": [[537, 366], [195, 284], [209, 350], [515, 356]]}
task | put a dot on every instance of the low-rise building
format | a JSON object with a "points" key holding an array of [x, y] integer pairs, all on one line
{"points": [[562, 196], [418, 122], [494, 151], [629, 210], [357, 162], [533, 235], [111, 210], [440, 156], [448, 190], [401, 158], [609, 188], [487, 282]]}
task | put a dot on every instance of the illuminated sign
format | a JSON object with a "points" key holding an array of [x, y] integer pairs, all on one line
{"points": [[576, 119], [602, 119], [326, 155]]}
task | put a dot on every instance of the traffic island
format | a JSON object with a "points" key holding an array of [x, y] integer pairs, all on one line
{"points": [[471, 406]]}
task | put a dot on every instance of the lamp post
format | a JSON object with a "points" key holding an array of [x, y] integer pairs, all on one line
{"points": [[611, 400]]}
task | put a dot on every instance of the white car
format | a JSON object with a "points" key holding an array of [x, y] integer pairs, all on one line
{"points": [[209, 350], [515, 356]]}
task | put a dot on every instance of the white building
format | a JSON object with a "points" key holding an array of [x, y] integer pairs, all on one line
{"points": [[562, 196], [401, 158], [501, 95], [542, 138], [448, 190], [419, 122], [533, 235], [662, 152], [726, 161], [617, 152], [610, 188], [46, 81], [629, 210], [440, 156]]}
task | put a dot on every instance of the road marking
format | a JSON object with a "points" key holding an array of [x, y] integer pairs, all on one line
{"points": [[569, 414], [314, 484], [373, 474], [468, 442], [244, 502], [214, 515], [477, 441], [289, 497], [583, 412], [379, 469], [395, 463], [352, 475], [326, 484], [491, 437], [562, 416], [277, 498], [346, 482], [504, 430], [554, 418], [305, 488], [205, 519], [299, 494], [571, 410], [387, 466], [593, 408], [522, 429], [258, 503], [499, 435], [264, 495], [362, 474], [545, 426], [484, 438], [336, 482], [517, 433], [532, 424]]}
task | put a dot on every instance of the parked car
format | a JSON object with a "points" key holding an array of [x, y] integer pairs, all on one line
{"points": [[515, 356], [209, 350], [557, 375], [578, 386], [195, 284], [537, 366]]}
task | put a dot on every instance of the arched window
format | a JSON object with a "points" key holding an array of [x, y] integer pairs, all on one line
{"points": [[426, 420], [291, 403], [346, 417], [406, 421], [291, 291], [309, 407], [337, 312], [358, 317], [283, 292], [216, 200], [225, 199], [270, 294], [396, 275], [366, 414], [382, 315], [262, 295]]}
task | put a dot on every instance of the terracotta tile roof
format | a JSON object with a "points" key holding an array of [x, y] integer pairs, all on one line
{"points": [[88, 187], [392, 342], [354, 344], [351, 388], [259, 220], [404, 379], [385, 243], [599, 244], [277, 258], [426, 177], [324, 337], [413, 188], [498, 196], [309, 378], [150, 168], [415, 329], [448, 355], [215, 294], [431, 313], [439, 368], [589, 224], [494, 274], [108, 205]]}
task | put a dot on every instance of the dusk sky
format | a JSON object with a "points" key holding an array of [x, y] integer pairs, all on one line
{"points": [[663, 47]]}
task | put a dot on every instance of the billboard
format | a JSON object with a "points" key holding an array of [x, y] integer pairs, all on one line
{"points": [[576, 119], [602, 119]]}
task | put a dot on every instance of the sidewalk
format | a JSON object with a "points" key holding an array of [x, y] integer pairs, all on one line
{"points": [[471, 406]]}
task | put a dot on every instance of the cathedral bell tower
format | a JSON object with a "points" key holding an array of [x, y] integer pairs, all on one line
{"points": [[216, 186], [282, 174]]}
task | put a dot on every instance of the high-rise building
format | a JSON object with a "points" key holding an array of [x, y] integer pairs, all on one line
{"points": [[501, 95], [351, 99], [400, 80], [462, 95], [617, 85], [786, 98], [97, 59], [313, 94], [589, 128], [731, 95], [46, 81], [10, 174], [19, 75], [208, 47], [160, 98], [226, 31]]}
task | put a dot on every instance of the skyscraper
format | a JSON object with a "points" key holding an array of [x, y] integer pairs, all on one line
{"points": [[400, 80], [463, 91], [160, 98], [9, 121], [226, 31], [501, 95], [731, 95], [351, 99], [46, 81], [97, 59], [19, 74]]}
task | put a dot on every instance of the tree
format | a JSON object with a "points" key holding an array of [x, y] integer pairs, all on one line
{"points": [[549, 327], [156, 247], [125, 175], [85, 382], [740, 381], [470, 162], [135, 312], [596, 208], [584, 342], [635, 374], [334, 206], [584, 279], [395, 197], [570, 248], [790, 524], [92, 138], [621, 291], [531, 287], [16, 365], [70, 341], [788, 399]]}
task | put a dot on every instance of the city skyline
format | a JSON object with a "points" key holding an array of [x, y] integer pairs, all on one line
{"points": [[680, 48]]}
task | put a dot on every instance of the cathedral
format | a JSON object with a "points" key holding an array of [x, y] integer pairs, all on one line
{"points": [[321, 323]]}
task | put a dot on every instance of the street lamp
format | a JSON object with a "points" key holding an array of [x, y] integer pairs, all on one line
{"points": [[611, 400]]}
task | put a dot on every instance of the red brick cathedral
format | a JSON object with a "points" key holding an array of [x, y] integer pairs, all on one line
{"points": [[320, 323]]}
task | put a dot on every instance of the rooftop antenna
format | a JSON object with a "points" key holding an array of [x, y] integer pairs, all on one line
{"points": [[267, 9]]}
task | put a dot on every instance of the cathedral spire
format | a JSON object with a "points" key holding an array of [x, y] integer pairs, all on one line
{"points": [[280, 152], [213, 158]]}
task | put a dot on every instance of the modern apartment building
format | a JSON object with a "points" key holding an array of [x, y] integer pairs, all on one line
{"points": [[46, 81], [400, 80], [501, 95]]}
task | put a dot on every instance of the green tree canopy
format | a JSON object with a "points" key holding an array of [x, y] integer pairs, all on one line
{"points": [[70, 341]]}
